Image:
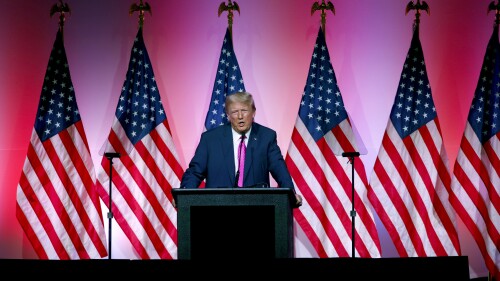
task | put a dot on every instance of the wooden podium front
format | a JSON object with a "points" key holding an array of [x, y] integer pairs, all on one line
{"points": [[228, 223]]}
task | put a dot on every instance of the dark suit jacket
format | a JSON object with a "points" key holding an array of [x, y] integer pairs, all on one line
{"points": [[214, 160]]}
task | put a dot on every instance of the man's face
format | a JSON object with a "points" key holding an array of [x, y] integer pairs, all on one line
{"points": [[241, 117]]}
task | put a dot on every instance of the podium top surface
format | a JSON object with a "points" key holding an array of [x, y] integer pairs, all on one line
{"points": [[237, 190]]}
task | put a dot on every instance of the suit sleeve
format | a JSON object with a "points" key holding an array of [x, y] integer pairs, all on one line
{"points": [[277, 165], [197, 169]]}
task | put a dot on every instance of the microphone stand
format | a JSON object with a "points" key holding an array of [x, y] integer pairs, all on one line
{"points": [[351, 156], [110, 156]]}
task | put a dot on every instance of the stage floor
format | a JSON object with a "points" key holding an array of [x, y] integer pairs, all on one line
{"points": [[426, 269]]}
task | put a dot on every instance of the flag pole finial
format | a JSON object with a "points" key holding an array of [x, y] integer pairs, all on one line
{"points": [[495, 7], [417, 7], [141, 8], [230, 7], [60, 8], [323, 6]]}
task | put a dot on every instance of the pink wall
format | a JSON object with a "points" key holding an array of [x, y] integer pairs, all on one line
{"points": [[273, 40]]}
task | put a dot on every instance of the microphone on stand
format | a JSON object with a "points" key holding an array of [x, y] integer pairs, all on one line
{"points": [[350, 154], [112, 155]]}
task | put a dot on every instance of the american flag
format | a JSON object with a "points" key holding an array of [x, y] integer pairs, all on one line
{"points": [[228, 80], [321, 175], [57, 204], [410, 183], [476, 181], [148, 168]]}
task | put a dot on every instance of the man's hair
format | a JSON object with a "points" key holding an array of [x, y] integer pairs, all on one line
{"points": [[243, 97]]}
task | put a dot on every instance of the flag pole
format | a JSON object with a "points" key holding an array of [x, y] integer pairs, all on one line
{"points": [[323, 6], [230, 7]]}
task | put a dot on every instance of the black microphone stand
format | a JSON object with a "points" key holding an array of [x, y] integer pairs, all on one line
{"points": [[351, 156], [110, 156]]}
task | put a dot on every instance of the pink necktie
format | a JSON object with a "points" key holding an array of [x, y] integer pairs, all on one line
{"points": [[242, 150]]}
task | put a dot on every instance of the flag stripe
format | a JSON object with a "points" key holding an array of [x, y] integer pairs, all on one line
{"points": [[492, 154], [158, 192], [304, 220], [58, 174], [422, 193], [396, 211], [35, 239], [75, 194], [317, 173], [388, 212], [38, 218]]}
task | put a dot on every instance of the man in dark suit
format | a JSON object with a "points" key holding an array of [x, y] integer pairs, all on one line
{"points": [[216, 158]]}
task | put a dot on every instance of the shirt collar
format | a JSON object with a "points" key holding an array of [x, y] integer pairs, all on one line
{"points": [[236, 135]]}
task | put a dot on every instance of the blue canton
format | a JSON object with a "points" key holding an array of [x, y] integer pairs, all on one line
{"points": [[483, 115], [228, 80], [413, 106], [57, 108], [321, 107], [139, 109]]}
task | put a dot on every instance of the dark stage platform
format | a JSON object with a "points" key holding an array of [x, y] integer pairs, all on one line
{"points": [[426, 269]]}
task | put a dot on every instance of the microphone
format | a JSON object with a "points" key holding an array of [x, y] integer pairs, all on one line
{"points": [[112, 155], [350, 154]]}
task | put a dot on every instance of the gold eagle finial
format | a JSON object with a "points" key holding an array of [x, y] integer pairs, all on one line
{"points": [[495, 7], [60, 8], [230, 7], [417, 7], [141, 8], [323, 6]]}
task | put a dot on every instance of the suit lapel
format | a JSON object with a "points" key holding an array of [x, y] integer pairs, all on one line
{"points": [[252, 142]]}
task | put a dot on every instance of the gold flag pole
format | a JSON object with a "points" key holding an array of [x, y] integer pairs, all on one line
{"points": [[60, 8], [495, 7], [417, 7], [141, 8], [230, 7], [323, 6]]}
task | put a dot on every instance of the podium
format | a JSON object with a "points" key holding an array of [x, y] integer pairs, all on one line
{"points": [[234, 223]]}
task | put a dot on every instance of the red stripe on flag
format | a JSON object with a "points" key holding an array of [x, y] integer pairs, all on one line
{"points": [[40, 172], [311, 200], [316, 206], [417, 199], [88, 184], [393, 154]]}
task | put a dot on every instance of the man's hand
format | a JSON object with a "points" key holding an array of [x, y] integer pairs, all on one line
{"points": [[298, 200]]}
